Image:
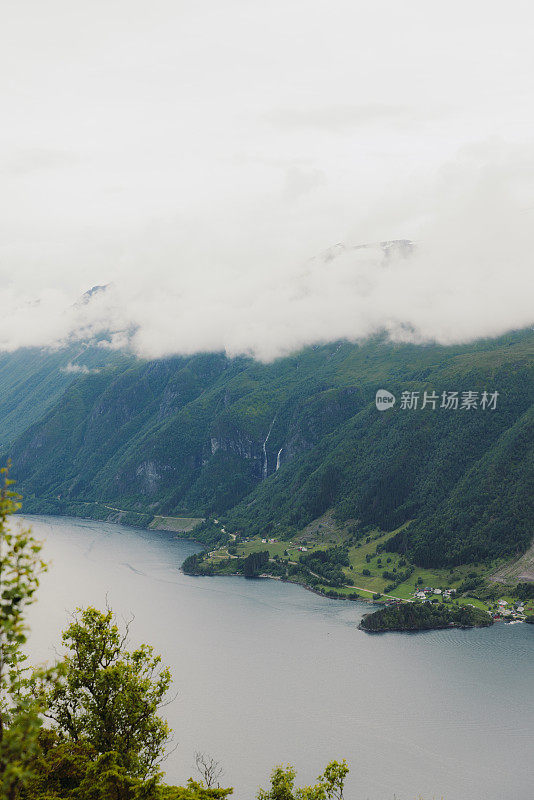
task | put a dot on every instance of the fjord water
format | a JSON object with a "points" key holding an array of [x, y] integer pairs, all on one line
{"points": [[267, 672]]}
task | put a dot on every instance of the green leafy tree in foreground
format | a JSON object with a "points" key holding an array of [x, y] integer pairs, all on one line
{"points": [[108, 697], [194, 791], [108, 739], [329, 785], [20, 566]]}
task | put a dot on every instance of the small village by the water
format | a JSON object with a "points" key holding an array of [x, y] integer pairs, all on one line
{"points": [[507, 610]]}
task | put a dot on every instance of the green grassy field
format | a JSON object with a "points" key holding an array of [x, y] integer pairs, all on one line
{"points": [[364, 574]]}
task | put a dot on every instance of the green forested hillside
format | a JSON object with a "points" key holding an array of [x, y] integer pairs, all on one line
{"points": [[33, 379], [270, 447], [494, 501]]}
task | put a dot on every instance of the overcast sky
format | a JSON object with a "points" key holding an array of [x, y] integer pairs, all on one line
{"points": [[201, 156]]}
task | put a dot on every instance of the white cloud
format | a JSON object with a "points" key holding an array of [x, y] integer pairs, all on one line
{"points": [[79, 369], [341, 117], [196, 156]]}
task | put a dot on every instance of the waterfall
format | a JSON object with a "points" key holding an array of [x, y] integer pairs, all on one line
{"points": [[278, 459], [265, 465]]}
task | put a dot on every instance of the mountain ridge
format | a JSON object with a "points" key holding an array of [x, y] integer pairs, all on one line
{"points": [[273, 446]]}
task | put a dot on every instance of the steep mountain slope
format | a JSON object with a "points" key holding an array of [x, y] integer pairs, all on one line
{"points": [[33, 379], [389, 468], [494, 501], [272, 446]]}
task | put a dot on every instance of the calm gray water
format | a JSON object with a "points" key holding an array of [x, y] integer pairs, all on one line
{"points": [[268, 673]]}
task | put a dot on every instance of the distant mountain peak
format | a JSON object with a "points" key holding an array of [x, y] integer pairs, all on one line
{"points": [[90, 293]]}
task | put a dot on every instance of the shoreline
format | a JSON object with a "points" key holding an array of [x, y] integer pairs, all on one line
{"points": [[115, 516], [296, 583], [187, 538]]}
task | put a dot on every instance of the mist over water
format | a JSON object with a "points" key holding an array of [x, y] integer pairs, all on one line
{"points": [[267, 672]]}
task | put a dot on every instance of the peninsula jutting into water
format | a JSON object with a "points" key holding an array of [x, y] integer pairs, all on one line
{"points": [[424, 617]]}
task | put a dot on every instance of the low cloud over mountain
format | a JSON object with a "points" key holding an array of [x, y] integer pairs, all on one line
{"points": [[468, 274], [199, 190]]}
